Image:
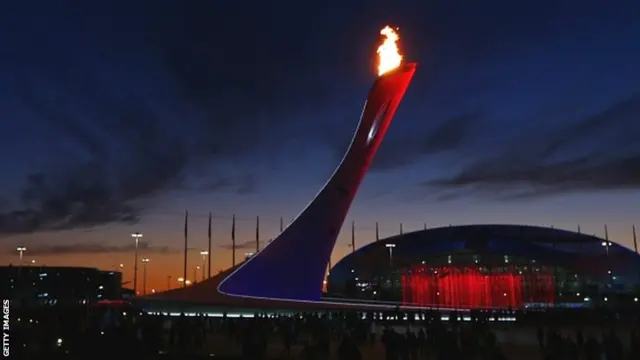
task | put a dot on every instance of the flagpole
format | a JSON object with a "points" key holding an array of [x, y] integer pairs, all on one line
{"points": [[353, 236], [606, 247], [209, 249], [635, 241], [257, 234], [233, 241], [555, 269], [186, 241]]}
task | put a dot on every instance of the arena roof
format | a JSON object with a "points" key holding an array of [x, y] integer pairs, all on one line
{"points": [[544, 244]]}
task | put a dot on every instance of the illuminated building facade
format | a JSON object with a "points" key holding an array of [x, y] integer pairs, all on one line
{"points": [[490, 266], [65, 286], [293, 265]]}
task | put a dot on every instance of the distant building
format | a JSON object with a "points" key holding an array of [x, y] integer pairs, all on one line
{"points": [[127, 293], [64, 286]]}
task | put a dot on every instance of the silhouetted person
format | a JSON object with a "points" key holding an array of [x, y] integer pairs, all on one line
{"points": [[348, 349], [540, 337]]}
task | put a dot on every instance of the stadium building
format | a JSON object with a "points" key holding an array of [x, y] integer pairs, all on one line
{"points": [[490, 266]]}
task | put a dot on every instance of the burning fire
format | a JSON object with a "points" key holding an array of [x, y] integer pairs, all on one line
{"points": [[388, 52]]}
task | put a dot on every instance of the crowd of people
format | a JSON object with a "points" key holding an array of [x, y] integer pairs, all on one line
{"points": [[113, 333]]}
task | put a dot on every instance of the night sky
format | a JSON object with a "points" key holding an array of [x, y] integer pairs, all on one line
{"points": [[116, 118]]}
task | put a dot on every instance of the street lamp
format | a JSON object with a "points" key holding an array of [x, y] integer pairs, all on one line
{"points": [[204, 254], [21, 250], [606, 244], [195, 272], [390, 247], [145, 261], [137, 237]]}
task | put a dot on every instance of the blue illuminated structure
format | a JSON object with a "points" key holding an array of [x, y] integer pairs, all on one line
{"points": [[293, 265]]}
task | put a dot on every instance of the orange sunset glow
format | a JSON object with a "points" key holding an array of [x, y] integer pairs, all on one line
{"points": [[166, 256]]}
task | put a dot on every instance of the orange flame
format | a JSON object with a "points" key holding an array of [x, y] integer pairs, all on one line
{"points": [[388, 52]]}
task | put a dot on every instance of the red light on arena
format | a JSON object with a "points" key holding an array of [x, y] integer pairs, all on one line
{"points": [[469, 287]]}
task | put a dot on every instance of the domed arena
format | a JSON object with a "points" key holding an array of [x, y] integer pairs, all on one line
{"points": [[490, 266]]}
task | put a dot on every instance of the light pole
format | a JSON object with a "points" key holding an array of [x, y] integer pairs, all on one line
{"points": [[137, 237], [204, 254], [21, 250], [390, 247], [168, 282], [145, 261], [195, 273], [606, 244]]}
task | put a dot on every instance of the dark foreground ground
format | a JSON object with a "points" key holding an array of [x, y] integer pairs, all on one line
{"points": [[516, 341]]}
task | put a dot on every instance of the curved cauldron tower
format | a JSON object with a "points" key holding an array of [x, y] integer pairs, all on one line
{"points": [[293, 265]]}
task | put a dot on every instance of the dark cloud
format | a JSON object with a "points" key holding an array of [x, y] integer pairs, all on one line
{"points": [[561, 162], [262, 66], [247, 185], [138, 97], [614, 118], [242, 185], [66, 201], [124, 140], [247, 245], [450, 135], [123, 159], [83, 248], [176, 88]]}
